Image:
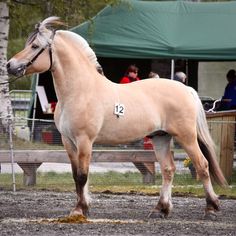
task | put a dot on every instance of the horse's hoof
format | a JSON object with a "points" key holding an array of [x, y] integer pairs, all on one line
{"points": [[157, 215], [76, 212], [210, 215]]}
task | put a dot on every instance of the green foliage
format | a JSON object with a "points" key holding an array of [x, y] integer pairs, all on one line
{"points": [[72, 12], [21, 21], [23, 83]]}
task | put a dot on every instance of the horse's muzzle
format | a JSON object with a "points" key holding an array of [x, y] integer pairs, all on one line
{"points": [[15, 70]]}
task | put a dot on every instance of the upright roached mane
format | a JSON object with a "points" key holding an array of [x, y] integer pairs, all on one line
{"points": [[85, 113]]}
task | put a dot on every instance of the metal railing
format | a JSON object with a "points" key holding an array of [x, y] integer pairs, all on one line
{"points": [[20, 101]]}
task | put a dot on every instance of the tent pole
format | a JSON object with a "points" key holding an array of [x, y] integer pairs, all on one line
{"points": [[34, 108], [186, 66], [172, 68]]}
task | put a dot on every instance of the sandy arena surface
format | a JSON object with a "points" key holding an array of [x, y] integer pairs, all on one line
{"points": [[21, 213]]}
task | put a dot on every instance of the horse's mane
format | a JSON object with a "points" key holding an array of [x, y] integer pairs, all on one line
{"points": [[83, 44], [44, 32]]}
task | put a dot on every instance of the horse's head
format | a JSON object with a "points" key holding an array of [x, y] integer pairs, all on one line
{"points": [[36, 56]]}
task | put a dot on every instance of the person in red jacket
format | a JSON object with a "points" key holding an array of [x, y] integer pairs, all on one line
{"points": [[131, 75]]}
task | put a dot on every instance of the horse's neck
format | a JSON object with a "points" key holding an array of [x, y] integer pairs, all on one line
{"points": [[72, 72]]}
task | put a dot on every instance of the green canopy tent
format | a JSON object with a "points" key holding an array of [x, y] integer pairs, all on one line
{"points": [[172, 29]]}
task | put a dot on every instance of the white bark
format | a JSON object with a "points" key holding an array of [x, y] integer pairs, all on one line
{"points": [[5, 102]]}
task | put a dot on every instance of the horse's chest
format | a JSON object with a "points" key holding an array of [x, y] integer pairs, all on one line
{"points": [[64, 125]]}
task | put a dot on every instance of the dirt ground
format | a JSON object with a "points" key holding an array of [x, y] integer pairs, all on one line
{"points": [[22, 213]]}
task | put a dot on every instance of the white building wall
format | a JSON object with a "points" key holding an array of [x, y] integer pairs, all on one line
{"points": [[212, 78]]}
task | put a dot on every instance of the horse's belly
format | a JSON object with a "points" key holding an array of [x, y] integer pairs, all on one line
{"points": [[123, 132]]}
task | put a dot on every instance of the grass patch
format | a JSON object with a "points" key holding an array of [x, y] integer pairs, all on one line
{"points": [[21, 144], [117, 183]]}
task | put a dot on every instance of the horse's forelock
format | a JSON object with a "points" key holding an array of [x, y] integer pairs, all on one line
{"points": [[49, 22], [31, 38]]}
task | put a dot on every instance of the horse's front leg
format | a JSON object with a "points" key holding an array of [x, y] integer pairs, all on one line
{"points": [[80, 157], [165, 157]]}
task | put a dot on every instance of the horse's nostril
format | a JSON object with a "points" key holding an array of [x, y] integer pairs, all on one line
{"points": [[8, 65]]}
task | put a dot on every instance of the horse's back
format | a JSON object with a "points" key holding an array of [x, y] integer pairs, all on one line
{"points": [[164, 92]]}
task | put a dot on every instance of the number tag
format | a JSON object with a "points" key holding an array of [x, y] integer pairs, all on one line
{"points": [[119, 109]]}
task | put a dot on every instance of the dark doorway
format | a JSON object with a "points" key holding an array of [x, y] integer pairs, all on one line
{"points": [[115, 68]]}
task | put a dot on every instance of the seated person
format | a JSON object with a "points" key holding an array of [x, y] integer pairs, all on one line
{"points": [[180, 76], [131, 75], [228, 101], [153, 75]]}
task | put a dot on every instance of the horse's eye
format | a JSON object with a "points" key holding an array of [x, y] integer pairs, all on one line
{"points": [[34, 46]]}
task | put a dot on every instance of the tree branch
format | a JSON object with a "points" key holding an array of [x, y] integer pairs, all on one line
{"points": [[24, 2]]}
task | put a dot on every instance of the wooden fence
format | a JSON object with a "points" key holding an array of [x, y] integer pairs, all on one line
{"points": [[222, 129]]}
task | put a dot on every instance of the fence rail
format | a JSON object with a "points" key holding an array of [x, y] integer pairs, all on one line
{"points": [[60, 156]]}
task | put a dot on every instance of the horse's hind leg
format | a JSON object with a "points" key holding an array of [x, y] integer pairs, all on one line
{"points": [[191, 146], [80, 159], [161, 146]]}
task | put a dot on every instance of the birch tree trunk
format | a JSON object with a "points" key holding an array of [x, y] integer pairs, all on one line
{"points": [[5, 102]]}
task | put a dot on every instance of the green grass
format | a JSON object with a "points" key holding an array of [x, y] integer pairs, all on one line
{"points": [[114, 182], [20, 144]]}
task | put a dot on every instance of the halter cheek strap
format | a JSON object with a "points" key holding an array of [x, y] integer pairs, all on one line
{"points": [[34, 58], [38, 54], [50, 56]]}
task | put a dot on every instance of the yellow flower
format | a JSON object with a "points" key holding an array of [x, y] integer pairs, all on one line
{"points": [[187, 162]]}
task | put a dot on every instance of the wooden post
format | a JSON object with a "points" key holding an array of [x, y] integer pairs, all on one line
{"points": [[29, 169], [147, 169], [222, 129]]}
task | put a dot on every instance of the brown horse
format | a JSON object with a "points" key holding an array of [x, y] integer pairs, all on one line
{"points": [[92, 109]]}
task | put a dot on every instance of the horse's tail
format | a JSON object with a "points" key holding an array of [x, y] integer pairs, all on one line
{"points": [[207, 145]]}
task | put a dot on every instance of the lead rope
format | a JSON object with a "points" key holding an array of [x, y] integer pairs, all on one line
{"points": [[11, 80]]}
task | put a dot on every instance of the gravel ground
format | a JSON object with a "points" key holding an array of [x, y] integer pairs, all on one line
{"points": [[21, 213]]}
